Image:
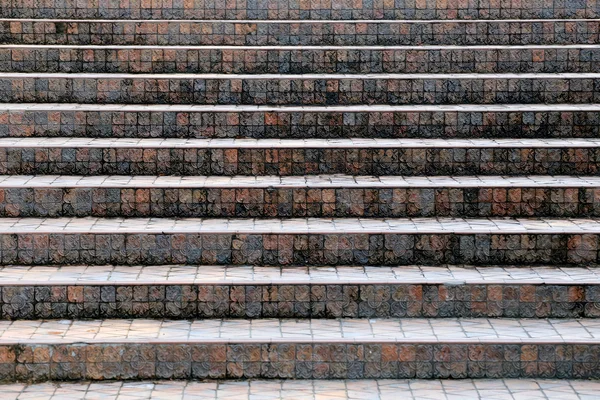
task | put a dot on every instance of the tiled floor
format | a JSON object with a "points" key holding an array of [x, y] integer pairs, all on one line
{"points": [[229, 275], [321, 181], [69, 142], [524, 389], [300, 225], [393, 330], [292, 108]]}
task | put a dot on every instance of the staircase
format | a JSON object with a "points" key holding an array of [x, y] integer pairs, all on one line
{"points": [[274, 189]]}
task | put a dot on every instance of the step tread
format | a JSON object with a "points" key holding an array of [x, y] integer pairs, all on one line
{"points": [[392, 330], [95, 225], [258, 275], [291, 108], [375, 389], [246, 143], [300, 47], [304, 21], [322, 181]]}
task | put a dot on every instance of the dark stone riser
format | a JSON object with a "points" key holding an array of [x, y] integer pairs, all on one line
{"points": [[307, 124], [350, 161], [299, 61], [300, 202], [102, 361], [290, 90], [299, 249], [294, 10], [357, 300], [362, 33]]}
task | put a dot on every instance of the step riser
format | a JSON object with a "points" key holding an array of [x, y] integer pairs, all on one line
{"points": [[324, 124], [79, 32], [324, 360], [252, 161], [54, 301], [298, 249], [300, 202], [307, 91], [194, 60], [277, 9]]}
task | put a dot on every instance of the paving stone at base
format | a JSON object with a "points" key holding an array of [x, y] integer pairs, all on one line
{"points": [[316, 89], [277, 9], [385, 389], [299, 60], [421, 241], [185, 121], [229, 157], [263, 33], [311, 349], [311, 196]]}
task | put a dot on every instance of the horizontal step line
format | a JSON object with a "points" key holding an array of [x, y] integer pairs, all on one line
{"points": [[92, 225], [393, 330], [255, 275], [299, 47], [316, 181], [252, 108], [302, 21], [161, 143], [58, 75]]}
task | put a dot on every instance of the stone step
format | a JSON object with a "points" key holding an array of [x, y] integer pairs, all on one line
{"points": [[343, 241], [307, 196], [227, 157], [188, 292], [300, 32], [278, 9], [373, 121], [306, 89], [309, 389], [305, 349], [299, 59]]}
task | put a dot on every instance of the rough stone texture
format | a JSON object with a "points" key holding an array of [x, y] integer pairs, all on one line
{"points": [[300, 202], [299, 60], [301, 161], [293, 360], [356, 33], [291, 90], [292, 9], [359, 300], [300, 124], [299, 249]]}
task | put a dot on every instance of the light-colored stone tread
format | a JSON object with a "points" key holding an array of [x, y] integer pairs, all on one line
{"points": [[352, 143], [309, 181], [384, 389], [95, 225], [256, 275], [394, 330]]}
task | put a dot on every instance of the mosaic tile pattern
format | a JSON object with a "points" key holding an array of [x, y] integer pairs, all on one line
{"points": [[274, 9], [131, 241], [301, 89], [147, 349], [298, 60], [310, 196], [316, 33], [186, 121], [518, 389]]}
